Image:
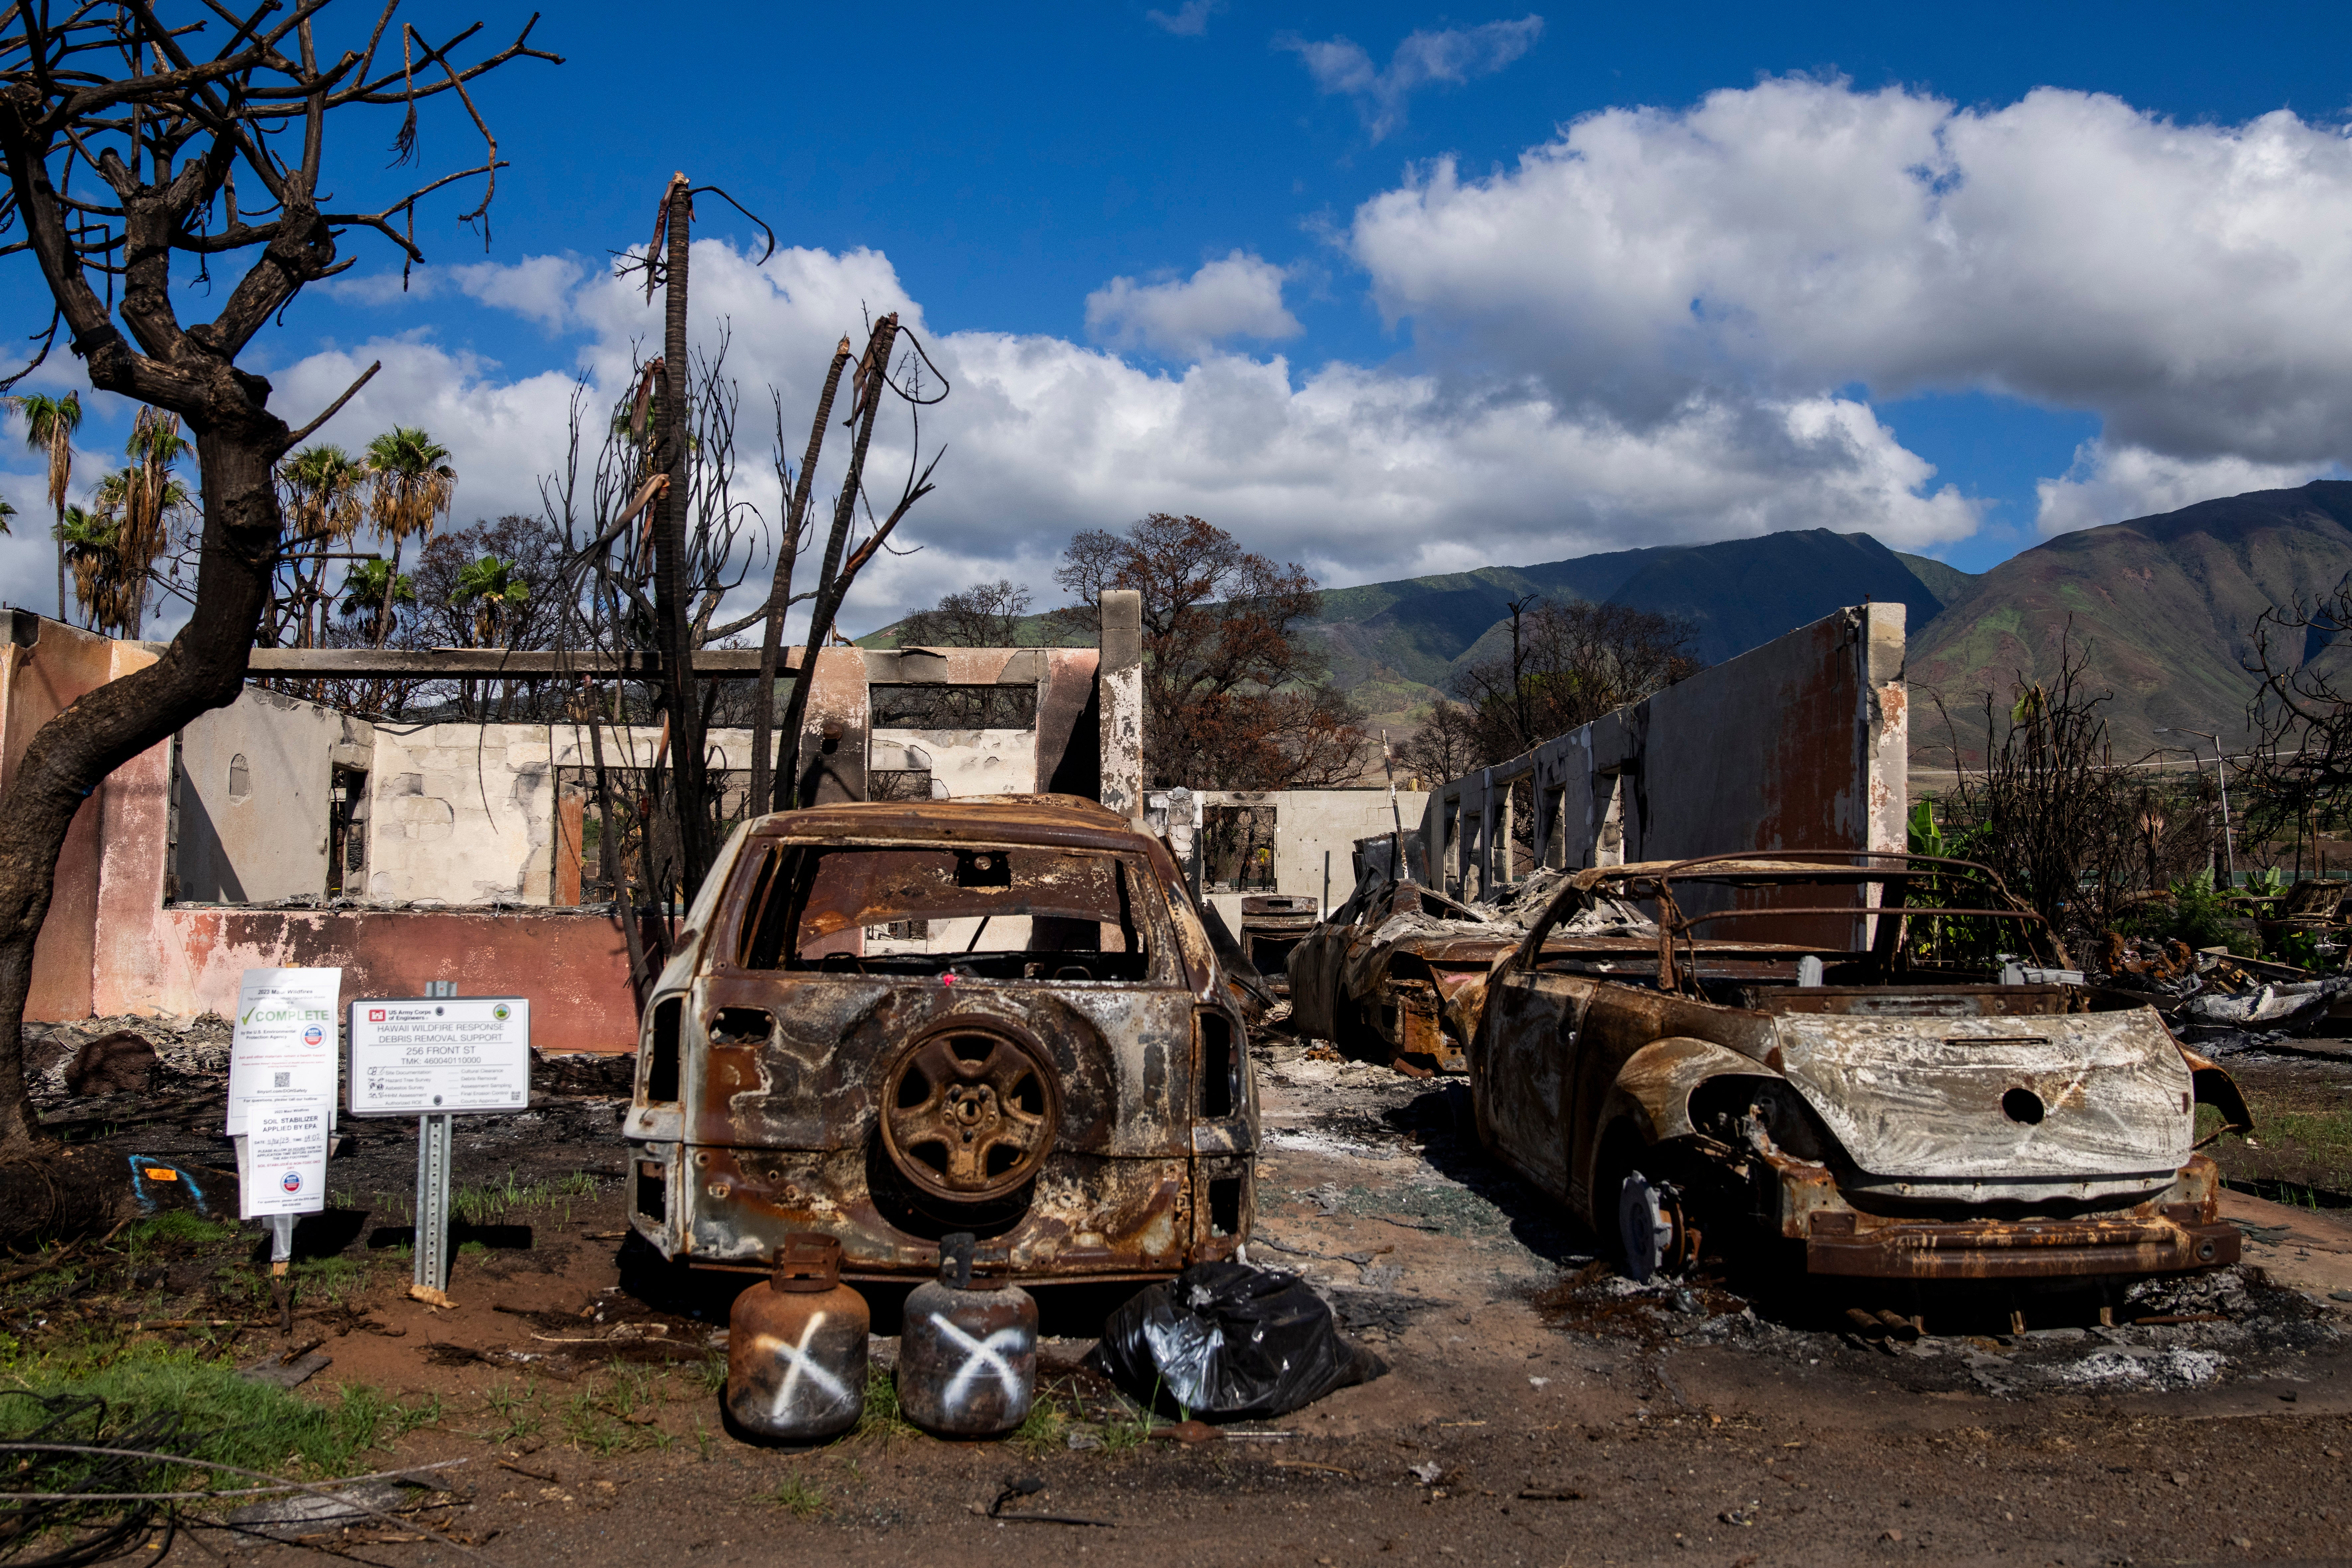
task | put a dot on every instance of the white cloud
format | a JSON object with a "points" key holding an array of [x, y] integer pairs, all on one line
{"points": [[1359, 473], [2191, 284], [1190, 20], [2115, 484], [1455, 55], [538, 288], [1239, 296], [1647, 331]]}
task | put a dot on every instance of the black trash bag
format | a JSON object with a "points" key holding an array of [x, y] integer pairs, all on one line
{"points": [[1224, 1340]]}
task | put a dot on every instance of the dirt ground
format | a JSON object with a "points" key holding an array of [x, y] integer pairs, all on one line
{"points": [[1538, 1409]]}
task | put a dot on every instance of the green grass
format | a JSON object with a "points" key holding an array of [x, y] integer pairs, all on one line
{"points": [[2299, 1141], [225, 1418], [374, 1421], [1042, 1432], [794, 1494], [496, 1203], [176, 1226], [515, 1411], [616, 1417], [882, 1418]]}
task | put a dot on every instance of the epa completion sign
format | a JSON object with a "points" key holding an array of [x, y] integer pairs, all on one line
{"points": [[428, 1058]]}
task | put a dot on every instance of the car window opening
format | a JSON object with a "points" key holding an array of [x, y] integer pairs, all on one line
{"points": [[989, 911]]}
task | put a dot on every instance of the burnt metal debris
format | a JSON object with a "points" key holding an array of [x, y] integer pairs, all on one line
{"points": [[1778, 1066], [890, 1022]]}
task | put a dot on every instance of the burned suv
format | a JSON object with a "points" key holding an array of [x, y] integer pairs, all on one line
{"points": [[890, 1022], [1804, 1060]]}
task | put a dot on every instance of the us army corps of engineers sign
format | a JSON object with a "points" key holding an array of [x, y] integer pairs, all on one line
{"points": [[439, 1055]]}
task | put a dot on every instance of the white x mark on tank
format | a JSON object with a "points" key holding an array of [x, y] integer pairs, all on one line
{"points": [[800, 1362], [982, 1356]]}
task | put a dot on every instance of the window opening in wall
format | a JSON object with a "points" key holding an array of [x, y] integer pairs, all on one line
{"points": [[614, 856], [347, 803], [240, 778], [1237, 848], [1449, 859], [1608, 848], [1555, 827], [939, 706], [1515, 856]]}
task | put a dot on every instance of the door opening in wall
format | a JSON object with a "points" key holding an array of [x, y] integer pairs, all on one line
{"points": [[1554, 821], [1237, 848], [346, 833]]}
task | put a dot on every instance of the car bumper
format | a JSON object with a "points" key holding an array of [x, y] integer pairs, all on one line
{"points": [[2022, 1249]]}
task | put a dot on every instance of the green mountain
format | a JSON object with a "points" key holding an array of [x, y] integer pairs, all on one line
{"points": [[1397, 647], [2165, 607]]}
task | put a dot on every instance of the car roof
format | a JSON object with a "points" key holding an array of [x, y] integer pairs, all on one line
{"points": [[1066, 821]]}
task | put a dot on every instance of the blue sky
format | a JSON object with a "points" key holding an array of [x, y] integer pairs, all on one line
{"points": [[1390, 289]]}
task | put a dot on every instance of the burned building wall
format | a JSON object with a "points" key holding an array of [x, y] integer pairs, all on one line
{"points": [[255, 792], [1801, 744]]}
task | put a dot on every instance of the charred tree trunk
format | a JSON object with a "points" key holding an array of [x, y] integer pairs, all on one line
{"points": [[768, 790], [203, 668], [672, 623], [830, 589]]}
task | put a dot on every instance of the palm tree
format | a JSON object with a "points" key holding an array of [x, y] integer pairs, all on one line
{"points": [[49, 426], [86, 542], [6, 511], [490, 586], [139, 505], [323, 486], [370, 590], [410, 482]]}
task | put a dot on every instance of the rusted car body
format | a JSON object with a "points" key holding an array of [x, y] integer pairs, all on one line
{"points": [[1375, 979], [1842, 1100], [890, 1022]]}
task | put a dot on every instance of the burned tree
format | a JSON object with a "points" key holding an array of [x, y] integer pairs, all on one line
{"points": [[663, 811], [132, 141], [2296, 772], [1233, 696], [1567, 665], [988, 615]]}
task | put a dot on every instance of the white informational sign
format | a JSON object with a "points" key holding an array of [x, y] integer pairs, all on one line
{"points": [[281, 1164], [281, 1088], [283, 1049], [427, 1057]]}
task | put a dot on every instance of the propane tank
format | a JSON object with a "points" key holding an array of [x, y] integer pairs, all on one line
{"points": [[967, 1358], [796, 1346]]}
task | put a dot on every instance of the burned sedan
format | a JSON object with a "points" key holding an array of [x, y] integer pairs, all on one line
{"points": [[1788, 1069], [1396, 975], [1375, 978], [890, 1022]]}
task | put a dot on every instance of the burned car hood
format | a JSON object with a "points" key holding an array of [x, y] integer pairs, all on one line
{"points": [[2081, 1095]]}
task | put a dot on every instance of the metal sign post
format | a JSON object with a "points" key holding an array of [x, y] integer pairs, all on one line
{"points": [[436, 1059], [437, 1143]]}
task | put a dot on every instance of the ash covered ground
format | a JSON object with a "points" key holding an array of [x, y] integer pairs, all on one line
{"points": [[1538, 1408]]}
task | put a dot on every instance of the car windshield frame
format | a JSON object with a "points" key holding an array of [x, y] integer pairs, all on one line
{"points": [[949, 882]]}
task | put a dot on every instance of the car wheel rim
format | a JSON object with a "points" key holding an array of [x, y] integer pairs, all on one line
{"points": [[970, 1111]]}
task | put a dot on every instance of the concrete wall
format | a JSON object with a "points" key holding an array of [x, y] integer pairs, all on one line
{"points": [[1801, 744], [574, 966], [254, 790], [1308, 825], [462, 813], [46, 666]]}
